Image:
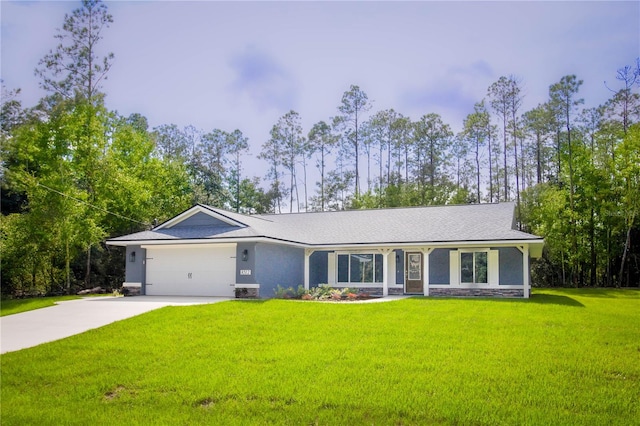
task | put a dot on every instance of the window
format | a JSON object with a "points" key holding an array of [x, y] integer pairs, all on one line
{"points": [[473, 267], [361, 268]]}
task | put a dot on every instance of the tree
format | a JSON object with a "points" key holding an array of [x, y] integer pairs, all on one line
{"points": [[336, 190], [287, 135], [515, 102], [354, 104], [171, 142], [628, 165], [273, 151], [321, 141], [403, 140], [625, 104], [11, 112], [208, 168], [476, 131], [12, 115], [75, 67], [381, 128], [564, 102], [237, 144], [500, 94], [54, 166], [538, 122], [86, 173], [252, 199], [433, 138], [590, 123]]}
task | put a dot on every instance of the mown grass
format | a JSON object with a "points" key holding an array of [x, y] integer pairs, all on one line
{"points": [[562, 357], [15, 306]]}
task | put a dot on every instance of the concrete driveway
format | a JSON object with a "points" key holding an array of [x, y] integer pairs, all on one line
{"points": [[71, 317]]}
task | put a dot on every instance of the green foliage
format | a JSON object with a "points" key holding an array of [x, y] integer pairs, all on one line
{"points": [[289, 292], [321, 292], [75, 173], [85, 174], [561, 357]]}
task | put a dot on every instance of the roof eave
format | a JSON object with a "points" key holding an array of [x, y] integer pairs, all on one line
{"points": [[538, 242], [439, 244]]}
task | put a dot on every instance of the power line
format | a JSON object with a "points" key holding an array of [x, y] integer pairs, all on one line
{"points": [[91, 205]]}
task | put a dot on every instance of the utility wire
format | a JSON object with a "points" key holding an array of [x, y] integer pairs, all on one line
{"points": [[91, 205]]}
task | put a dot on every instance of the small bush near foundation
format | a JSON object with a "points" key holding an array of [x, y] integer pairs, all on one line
{"points": [[289, 292], [322, 292]]}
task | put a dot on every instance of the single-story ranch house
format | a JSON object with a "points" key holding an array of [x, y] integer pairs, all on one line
{"points": [[462, 250]]}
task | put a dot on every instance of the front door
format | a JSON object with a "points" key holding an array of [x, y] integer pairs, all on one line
{"points": [[413, 271]]}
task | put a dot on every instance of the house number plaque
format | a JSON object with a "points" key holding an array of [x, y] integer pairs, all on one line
{"points": [[245, 271]]}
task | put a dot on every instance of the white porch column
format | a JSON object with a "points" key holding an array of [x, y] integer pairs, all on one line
{"points": [[425, 282], [385, 268], [525, 271], [307, 255]]}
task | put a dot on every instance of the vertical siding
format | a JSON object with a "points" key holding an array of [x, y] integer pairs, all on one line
{"points": [[318, 268], [201, 219], [278, 265], [439, 266], [510, 266], [249, 264]]}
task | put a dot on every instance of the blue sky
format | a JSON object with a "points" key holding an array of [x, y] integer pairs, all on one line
{"points": [[243, 65]]}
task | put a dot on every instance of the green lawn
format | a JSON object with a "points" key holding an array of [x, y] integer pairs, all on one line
{"points": [[562, 357], [15, 306]]}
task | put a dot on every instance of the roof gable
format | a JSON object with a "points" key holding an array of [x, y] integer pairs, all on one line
{"points": [[200, 215]]}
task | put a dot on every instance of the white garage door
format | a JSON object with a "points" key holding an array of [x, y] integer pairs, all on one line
{"points": [[191, 270]]}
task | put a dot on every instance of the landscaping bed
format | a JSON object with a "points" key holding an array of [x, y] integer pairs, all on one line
{"points": [[325, 293]]}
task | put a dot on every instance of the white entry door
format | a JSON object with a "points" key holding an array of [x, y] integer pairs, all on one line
{"points": [[191, 270]]}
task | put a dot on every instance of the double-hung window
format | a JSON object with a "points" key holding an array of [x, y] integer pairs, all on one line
{"points": [[360, 268], [474, 267]]}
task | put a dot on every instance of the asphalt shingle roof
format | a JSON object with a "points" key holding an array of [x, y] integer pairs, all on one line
{"points": [[476, 222]]}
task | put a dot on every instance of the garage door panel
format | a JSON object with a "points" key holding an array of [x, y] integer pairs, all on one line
{"points": [[191, 271]]}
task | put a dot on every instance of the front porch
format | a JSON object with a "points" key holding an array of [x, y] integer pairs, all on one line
{"points": [[500, 270]]}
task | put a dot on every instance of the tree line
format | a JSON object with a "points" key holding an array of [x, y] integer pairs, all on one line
{"points": [[74, 172]]}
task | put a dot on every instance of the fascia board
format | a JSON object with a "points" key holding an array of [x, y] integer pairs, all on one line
{"points": [[352, 246], [438, 244], [151, 243]]}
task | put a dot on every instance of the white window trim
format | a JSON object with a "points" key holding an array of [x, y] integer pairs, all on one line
{"points": [[473, 250], [358, 284], [493, 270]]}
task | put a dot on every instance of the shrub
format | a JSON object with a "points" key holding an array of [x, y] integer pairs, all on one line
{"points": [[336, 294], [289, 292], [322, 292]]}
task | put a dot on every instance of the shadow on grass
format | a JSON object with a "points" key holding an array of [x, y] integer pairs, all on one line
{"points": [[541, 299], [553, 299], [608, 293]]}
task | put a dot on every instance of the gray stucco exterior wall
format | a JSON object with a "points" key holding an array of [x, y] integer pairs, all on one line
{"points": [[278, 265], [439, 266], [135, 271], [510, 266], [246, 265]]}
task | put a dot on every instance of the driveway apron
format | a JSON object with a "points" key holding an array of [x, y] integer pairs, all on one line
{"points": [[71, 317]]}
